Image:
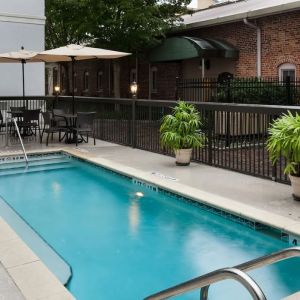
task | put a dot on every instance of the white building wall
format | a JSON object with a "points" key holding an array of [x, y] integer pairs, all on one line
{"points": [[22, 23]]}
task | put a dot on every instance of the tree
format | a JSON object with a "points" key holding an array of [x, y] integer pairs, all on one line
{"points": [[66, 23], [126, 25]]}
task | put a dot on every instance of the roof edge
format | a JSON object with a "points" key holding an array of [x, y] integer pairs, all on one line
{"points": [[278, 9]]}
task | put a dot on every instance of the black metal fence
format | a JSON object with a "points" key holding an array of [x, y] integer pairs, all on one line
{"points": [[236, 133], [240, 90]]}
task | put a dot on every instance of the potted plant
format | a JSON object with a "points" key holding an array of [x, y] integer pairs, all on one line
{"points": [[284, 141], [180, 131]]}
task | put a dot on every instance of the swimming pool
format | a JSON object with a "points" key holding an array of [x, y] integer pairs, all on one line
{"points": [[123, 246]]}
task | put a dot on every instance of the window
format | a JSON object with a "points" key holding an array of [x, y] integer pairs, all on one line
{"points": [[86, 80], [153, 80], [63, 79], [133, 75], [287, 70], [75, 82], [99, 81], [55, 77]]}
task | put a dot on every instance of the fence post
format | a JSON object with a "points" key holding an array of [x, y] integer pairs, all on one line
{"points": [[228, 100], [129, 129], [176, 88], [228, 94], [274, 172], [210, 135], [133, 124], [288, 90]]}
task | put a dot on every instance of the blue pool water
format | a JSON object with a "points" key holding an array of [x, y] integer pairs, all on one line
{"points": [[124, 247]]}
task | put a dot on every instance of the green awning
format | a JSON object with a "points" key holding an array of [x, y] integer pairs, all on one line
{"points": [[181, 48]]}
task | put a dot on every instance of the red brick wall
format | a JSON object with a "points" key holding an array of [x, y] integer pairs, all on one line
{"points": [[280, 44], [92, 66], [166, 79]]}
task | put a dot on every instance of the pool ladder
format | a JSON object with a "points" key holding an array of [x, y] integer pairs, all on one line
{"points": [[236, 273], [19, 136]]}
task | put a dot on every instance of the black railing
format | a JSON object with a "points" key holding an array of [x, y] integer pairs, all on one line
{"points": [[240, 90], [236, 133]]}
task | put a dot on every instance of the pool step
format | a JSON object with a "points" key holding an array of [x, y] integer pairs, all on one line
{"points": [[35, 165], [34, 158]]}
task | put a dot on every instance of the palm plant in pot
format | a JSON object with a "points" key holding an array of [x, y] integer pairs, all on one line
{"points": [[180, 131], [284, 141]]}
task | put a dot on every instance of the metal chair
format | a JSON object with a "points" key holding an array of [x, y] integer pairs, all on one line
{"points": [[59, 121], [31, 122], [51, 127], [17, 113], [85, 126], [2, 123]]}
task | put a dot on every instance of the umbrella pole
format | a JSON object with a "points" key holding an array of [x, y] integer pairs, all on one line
{"points": [[73, 89], [23, 80]]}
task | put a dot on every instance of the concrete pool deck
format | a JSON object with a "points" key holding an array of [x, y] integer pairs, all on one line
{"points": [[255, 198]]}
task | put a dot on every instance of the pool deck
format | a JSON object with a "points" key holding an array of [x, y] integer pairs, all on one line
{"points": [[254, 198]]}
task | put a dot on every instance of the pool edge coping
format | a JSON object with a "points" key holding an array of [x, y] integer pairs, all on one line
{"points": [[29, 273]]}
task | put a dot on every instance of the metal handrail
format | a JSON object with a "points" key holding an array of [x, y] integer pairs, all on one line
{"points": [[19, 136], [203, 282], [210, 278]]}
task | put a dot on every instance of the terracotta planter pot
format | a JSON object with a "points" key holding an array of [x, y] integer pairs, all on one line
{"points": [[296, 187], [183, 157]]}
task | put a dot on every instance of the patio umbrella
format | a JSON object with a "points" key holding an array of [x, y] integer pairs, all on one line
{"points": [[77, 52], [22, 56]]}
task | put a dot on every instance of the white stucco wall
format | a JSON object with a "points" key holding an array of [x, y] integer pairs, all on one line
{"points": [[191, 68], [22, 24]]}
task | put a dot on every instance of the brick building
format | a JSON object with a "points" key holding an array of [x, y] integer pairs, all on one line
{"points": [[250, 38]]}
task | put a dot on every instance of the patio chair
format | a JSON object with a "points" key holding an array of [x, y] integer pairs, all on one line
{"points": [[31, 122], [59, 121], [2, 123], [17, 113], [85, 126], [51, 127]]}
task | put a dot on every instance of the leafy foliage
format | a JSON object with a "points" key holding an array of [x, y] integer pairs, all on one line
{"points": [[285, 140], [249, 90], [67, 22], [181, 129], [126, 25]]}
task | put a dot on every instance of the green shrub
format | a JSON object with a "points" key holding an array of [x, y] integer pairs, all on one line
{"points": [[256, 91], [181, 129], [284, 141]]}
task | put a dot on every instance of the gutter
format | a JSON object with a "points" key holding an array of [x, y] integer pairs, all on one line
{"points": [[258, 45]]}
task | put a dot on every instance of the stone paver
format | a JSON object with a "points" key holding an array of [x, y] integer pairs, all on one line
{"points": [[8, 289]]}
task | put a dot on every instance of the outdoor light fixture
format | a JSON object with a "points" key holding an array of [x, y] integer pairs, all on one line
{"points": [[56, 92], [133, 89], [57, 89]]}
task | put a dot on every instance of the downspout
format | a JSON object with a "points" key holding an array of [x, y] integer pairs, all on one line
{"points": [[258, 44]]}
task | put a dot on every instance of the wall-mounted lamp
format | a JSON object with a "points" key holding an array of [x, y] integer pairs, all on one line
{"points": [[56, 92], [133, 89], [57, 89]]}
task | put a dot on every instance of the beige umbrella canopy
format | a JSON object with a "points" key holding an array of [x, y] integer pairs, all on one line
{"points": [[77, 52], [22, 56]]}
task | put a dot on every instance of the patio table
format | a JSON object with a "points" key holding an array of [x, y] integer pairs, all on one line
{"points": [[71, 120]]}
